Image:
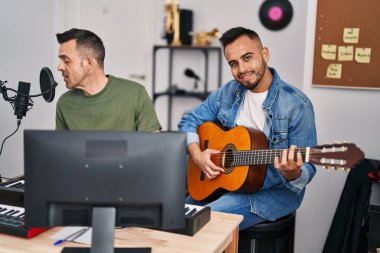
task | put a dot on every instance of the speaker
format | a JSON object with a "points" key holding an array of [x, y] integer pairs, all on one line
{"points": [[186, 26], [276, 14]]}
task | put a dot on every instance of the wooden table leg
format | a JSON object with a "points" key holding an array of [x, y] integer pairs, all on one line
{"points": [[233, 246]]}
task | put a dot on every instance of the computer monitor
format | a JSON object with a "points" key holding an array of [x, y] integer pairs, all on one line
{"points": [[103, 180]]}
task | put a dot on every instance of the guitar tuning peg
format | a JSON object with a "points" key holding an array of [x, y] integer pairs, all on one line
{"points": [[337, 142], [346, 169], [331, 168], [327, 143], [324, 167]]}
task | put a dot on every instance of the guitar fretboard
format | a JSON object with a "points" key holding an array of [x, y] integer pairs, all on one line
{"points": [[259, 157]]}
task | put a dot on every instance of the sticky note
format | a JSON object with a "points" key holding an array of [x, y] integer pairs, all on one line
{"points": [[334, 71], [328, 52], [351, 35], [363, 55], [345, 53]]}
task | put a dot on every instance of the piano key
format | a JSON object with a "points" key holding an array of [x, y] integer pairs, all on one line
{"points": [[193, 209], [16, 184], [20, 214], [7, 208], [19, 186], [14, 213], [12, 202], [8, 212]]}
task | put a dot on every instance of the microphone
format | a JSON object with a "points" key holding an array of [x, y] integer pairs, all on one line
{"points": [[22, 100], [190, 73]]}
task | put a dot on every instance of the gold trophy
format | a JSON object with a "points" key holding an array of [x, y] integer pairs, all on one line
{"points": [[205, 38], [172, 21]]}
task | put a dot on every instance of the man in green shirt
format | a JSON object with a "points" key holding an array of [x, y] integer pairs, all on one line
{"points": [[97, 101]]}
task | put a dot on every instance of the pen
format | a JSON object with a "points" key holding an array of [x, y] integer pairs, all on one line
{"points": [[74, 235], [79, 234]]}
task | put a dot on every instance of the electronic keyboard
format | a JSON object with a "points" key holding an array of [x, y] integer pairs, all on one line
{"points": [[12, 212], [12, 222], [195, 217]]}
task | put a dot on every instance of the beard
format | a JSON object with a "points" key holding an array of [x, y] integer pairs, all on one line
{"points": [[252, 86], [259, 74]]}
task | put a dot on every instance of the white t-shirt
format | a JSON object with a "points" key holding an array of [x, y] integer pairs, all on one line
{"points": [[251, 113]]}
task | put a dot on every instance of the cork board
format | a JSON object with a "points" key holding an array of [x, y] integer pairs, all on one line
{"points": [[347, 44]]}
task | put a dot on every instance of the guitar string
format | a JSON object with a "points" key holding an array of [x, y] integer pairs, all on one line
{"points": [[259, 156]]}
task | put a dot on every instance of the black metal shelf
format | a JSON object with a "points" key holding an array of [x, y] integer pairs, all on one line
{"points": [[179, 93], [200, 95]]}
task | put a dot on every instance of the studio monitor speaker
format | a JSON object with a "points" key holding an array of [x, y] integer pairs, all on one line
{"points": [[186, 26]]}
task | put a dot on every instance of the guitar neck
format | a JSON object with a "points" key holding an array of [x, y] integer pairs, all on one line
{"points": [[265, 156]]}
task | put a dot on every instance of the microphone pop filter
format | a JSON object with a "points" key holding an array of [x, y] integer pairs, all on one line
{"points": [[47, 84]]}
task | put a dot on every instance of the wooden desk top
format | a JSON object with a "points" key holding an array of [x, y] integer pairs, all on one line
{"points": [[215, 236]]}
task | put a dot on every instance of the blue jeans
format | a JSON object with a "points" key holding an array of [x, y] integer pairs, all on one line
{"points": [[230, 202]]}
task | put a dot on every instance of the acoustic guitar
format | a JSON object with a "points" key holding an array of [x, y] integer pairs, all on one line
{"points": [[244, 156]]}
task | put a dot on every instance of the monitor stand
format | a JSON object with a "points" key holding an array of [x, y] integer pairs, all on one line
{"points": [[103, 233]]}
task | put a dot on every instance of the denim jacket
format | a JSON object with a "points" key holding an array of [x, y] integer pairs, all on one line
{"points": [[289, 121]]}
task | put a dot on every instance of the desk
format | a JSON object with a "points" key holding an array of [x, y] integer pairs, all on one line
{"points": [[220, 233]]}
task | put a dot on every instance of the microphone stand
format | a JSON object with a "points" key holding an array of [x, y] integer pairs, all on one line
{"points": [[195, 84], [20, 102], [4, 91], [12, 101]]}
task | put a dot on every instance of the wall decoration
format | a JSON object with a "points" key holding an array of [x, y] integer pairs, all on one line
{"points": [[347, 44], [276, 14]]}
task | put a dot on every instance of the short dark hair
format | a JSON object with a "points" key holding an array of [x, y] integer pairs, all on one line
{"points": [[232, 34], [86, 41]]}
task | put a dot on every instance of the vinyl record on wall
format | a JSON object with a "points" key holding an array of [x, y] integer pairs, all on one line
{"points": [[276, 14]]}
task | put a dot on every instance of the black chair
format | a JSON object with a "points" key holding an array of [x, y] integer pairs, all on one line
{"points": [[269, 237]]}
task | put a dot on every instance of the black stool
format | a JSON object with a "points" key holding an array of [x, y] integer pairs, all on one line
{"points": [[269, 237]]}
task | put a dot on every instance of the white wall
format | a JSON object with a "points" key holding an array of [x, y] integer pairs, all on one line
{"points": [[286, 46], [28, 43], [341, 114], [26, 35]]}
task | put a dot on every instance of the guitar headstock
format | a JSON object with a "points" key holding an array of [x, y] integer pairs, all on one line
{"points": [[341, 156]]}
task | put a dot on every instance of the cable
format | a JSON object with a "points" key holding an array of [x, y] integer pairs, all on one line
{"points": [[2, 144], [32, 96]]}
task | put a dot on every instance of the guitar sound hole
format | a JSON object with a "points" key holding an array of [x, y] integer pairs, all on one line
{"points": [[228, 158]]}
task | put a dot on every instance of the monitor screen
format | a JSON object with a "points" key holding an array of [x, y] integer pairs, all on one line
{"points": [[69, 174]]}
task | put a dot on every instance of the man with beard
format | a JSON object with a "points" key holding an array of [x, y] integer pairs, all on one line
{"points": [[97, 101], [256, 98]]}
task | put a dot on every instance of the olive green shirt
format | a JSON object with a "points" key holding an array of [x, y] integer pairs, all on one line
{"points": [[122, 105]]}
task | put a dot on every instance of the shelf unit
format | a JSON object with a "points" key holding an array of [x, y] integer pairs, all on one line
{"points": [[206, 50]]}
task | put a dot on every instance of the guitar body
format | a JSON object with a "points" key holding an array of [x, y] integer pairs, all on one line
{"points": [[247, 178], [244, 156]]}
